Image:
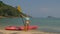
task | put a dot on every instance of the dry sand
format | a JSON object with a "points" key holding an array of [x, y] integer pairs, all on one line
{"points": [[23, 32]]}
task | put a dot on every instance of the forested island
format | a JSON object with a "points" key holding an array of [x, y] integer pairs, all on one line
{"points": [[51, 17], [9, 11]]}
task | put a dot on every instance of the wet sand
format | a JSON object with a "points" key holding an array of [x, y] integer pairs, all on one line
{"points": [[24, 32]]}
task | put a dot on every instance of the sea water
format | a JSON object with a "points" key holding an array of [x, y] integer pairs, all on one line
{"points": [[44, 24]]}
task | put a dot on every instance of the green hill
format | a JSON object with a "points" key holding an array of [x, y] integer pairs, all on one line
{"points": [[7, 10]]}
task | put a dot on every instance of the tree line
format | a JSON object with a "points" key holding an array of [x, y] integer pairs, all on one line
{"points": [[7, 10]]}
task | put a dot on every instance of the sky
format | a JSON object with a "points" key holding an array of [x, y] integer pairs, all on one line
{"points": [[37, 8]]}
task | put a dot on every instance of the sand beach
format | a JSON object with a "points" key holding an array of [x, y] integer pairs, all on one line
{"points": [[23, 32]]}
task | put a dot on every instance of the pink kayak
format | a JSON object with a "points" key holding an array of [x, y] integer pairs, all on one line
{"points": [[11, 28], [29, 27], [20, 27]]}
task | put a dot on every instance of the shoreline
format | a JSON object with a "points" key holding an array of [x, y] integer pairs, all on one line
{"points": [[23, 32]]}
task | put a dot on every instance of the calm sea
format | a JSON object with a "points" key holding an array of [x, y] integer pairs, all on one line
{"points": [[45, 24]]}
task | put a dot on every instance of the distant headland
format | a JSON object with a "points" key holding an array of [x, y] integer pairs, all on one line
{"points": [[9, 11], [51, 17]]}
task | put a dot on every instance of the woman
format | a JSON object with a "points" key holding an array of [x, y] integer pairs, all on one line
{"points": [[27, 21]]}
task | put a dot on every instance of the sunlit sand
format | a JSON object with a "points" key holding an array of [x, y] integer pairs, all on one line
{"points": [[24, 32]]}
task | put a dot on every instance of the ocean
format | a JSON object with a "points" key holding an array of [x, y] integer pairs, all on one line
{"points": [[44, 24]]}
